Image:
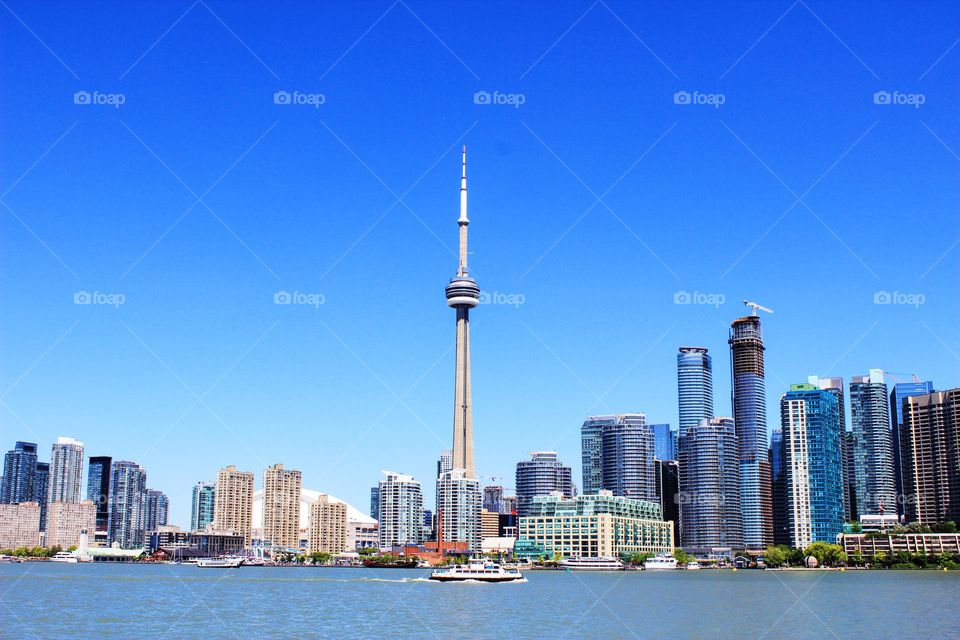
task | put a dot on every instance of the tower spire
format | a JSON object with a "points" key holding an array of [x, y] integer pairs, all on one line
{"points": [[463, 221]]}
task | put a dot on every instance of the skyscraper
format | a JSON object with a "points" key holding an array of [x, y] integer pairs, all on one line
{"points": [[19, 470], [401, 510], [591, 446], [128, 488], [812, 459], [900, 391], [201, 505], [749, 403], [541, 475], [460, 516], [328, 526], [98, 488], [66, 470], [233, 502], [664, 442], [667, 482], [873, 444], [493, 498], [778, 481], [929, 446], [463, 294], [835, 386], [41, 491], [695, 386], [281, 506], [628, 458], [375, 502], [156, 507], [710, 510]]}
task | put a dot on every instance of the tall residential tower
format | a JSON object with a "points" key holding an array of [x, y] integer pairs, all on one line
{"points": [[695, 386]]}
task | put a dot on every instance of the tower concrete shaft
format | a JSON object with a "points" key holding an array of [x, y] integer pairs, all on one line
{"points": [[463, 294]]}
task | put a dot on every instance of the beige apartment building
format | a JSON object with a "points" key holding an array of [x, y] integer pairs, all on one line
{"points": [[67, 520], [328, 526], [233, 502], [19, 525], [281, 507]]}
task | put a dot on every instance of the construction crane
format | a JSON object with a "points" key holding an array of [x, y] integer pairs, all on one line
{"points": [[896, 375], [756, 307]]}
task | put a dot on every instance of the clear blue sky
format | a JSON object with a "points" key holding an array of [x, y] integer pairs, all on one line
{"points": [[294, 197]]}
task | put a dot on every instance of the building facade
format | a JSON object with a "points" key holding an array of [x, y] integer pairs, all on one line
{"points": [[98, 488], [595, 525], [67, 522], [664, 442], [202, 505], [812, 461], [156, 508], [19, 470], [233, 502], [19, 525], [591, 447], [41, 491], [493, 498], [128, 491], [748, 388], [710, 512], [778, 483], [328, 526], [401, 510], [873, 444], [541, 475], [458, 508], [667, 480], [281, 507], [835, 386], [930, 453], [695, 386], [66, 470], [900, 391]]}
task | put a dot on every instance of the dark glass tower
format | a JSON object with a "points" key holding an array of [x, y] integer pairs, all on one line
{"points": [[19, 468], [873, 444], [41, 489], [98, 488], [750, 418]]}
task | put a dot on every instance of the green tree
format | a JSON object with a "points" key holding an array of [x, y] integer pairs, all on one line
{"points": [[639, 558], [366, 551], [682, 556], [320, 557], [776, 556], [856, 558], [856, 527], [827, 555]]}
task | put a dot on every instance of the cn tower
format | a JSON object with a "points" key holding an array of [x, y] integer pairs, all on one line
{"points": [[463, 294]]}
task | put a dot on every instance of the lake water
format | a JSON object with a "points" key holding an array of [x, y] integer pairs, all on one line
{"points": [[52, 600]]}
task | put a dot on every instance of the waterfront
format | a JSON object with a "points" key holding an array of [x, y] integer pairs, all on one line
{"points": [[48, 600]]}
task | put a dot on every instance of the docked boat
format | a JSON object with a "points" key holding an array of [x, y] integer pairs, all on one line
{"points": [[591, 564], [476, 569], [658, 563], [693, 565], [64, 556], [219, 563]]}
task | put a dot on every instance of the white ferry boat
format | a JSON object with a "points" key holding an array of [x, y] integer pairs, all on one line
{"points": [[476, 569], [591, 564], [219, 563], [658, 563], [64, 556], [693, 565]]}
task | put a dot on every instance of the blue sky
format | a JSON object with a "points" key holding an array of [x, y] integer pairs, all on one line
{"points": [[778, 177]]}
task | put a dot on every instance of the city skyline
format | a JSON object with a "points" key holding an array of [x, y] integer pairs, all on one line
{"points": [[589, 292]]}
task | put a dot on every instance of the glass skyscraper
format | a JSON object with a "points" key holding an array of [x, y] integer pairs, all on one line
{"points": [[156, 506], [749, 403], [591, 447], [781, 530], [695, 386], [873, 444], [812, 461], [98, 488], [664, 442], [541, 475], [710, 510], [900, 391], [19, 469], [201, 509], [835, 386], [128, 487], [66, 470], [41, 491], [628, 460]]}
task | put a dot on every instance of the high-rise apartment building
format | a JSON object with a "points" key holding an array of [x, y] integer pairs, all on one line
{"points": [[19, 470], [873, 444], [41, 491], [493, 498], [67, 522], [541, 475], [98, 488], [156, 508], [628, 457], [664, 442], [460, 503], [201, 505], [233, 502], [375, 502], [812, 459], [900, 391], [778, 482], [835, 386], [591, 446], [128, 489], [328, 526], [748, 389], [930, 452], [695, 386], [710, 512], [19, 525], [401, 510], [667, 482], [66, 470], [281, 506]]}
